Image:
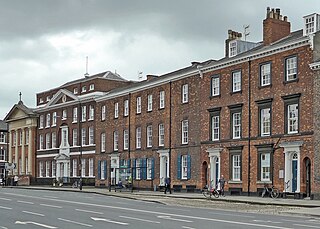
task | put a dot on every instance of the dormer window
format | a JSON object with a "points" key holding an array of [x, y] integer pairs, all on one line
{"points": [[75, 90], [84, 89], [48, 98], [311, 24], [41, 100], [91, 87], [232, 48]]}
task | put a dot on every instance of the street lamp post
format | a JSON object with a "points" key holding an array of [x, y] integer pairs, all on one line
{"points": [[80, 149]]}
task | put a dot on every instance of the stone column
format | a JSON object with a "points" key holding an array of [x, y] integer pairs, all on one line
{"points": [[58, 170], [23, 155], [30, 145], [10, 148], [16, 152]]}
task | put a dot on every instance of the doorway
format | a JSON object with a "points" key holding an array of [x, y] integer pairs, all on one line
{"points": [[307, 164], [204, 174]]}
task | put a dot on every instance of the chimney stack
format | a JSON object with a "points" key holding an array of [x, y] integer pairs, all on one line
{"points": [[275, 27]]}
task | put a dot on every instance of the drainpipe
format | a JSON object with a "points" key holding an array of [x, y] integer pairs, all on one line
{"points": [[170, 129], [249, 126]]}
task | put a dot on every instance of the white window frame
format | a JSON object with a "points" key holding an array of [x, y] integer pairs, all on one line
{"points": [[64, 114], [185, 131], [74, 167], [215, 122], [83, 113], [2, 137], [293, 118], [126, 108], [115, 141], [138, 169], [139, 105], [184, 167], [75, 90], [48, 140], [75, 137], [103, 142], [48, 166], [116, 110], [265, 74], [75, 115], [291, 68], [102, 170], [41, 121], [233, 48], [161, 99], [91, 167], [149, 168], [236, 81], [103, 113], [236, 167], [83, 167], [48, 120], [138, 137], [54, 118], [53, 169], [83, 89], [91, 87], [185, 93], [91, 135], [91, 112], [215, 86], [265, 167], [53, 140], [40, 142], [236, 125], [149, 136], [27, 136], [149, 103], [125, 139], [83, 136], [265, 121], [161, 134], [41, 169]]}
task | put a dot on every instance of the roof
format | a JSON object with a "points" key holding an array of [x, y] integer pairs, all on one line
{"points": [[28, 111], [3, 125]]}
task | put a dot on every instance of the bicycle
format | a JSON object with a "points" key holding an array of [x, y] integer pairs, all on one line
{"points": [[208, 193], [272, 192]]}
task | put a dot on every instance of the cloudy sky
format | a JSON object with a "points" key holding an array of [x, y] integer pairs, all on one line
{"points": [[44, 43]]}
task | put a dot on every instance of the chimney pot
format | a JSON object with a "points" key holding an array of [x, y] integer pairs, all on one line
{"points": [[285, 18]]}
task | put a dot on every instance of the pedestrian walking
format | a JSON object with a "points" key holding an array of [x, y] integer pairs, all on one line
{"points": [[167, 185], [222, 182]]}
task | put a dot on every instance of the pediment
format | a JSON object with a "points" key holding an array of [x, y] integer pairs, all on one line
{"points": [[19, 111], [61, 97], [61, 157]]}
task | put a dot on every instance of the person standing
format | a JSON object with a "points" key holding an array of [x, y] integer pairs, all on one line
{"points": [[222, 182], [167, 185]]}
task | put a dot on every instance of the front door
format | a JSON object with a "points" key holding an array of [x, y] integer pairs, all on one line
{"points": [[294, 173], [308, 177]]}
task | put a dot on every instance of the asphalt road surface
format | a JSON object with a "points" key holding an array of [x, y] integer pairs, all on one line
{"points": [[20, 208]]}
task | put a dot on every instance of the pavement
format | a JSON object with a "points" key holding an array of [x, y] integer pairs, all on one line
{"points": [[303, 207]]}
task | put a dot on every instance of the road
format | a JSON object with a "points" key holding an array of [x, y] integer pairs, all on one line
{"points": [[20, 208]]}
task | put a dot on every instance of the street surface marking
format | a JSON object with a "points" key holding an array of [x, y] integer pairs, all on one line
{"points": [[174, 219], [109, 221], [70, 221], [53, 197], [314, 221], [143, 220], [188, 227], [177, 209], [244, 216], [2, 207], [24, 202], [5, 199], [265, 221], [82, 210], [3, 227], [52, 206], [35, 223], [33, 213], [153, 212], [303, 225]]}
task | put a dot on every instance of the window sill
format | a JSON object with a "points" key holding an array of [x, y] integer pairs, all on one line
{"points": [[236, 92], [234, 182], [161, 108], [74, 122], [138, 113], [265, 86], [291, 81], [264, 182], [184, 102], [214, 96]]}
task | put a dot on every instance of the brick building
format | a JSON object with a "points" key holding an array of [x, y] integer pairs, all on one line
{"points": [[22, 122], [3, 146], [66, 128], [258, 112]]}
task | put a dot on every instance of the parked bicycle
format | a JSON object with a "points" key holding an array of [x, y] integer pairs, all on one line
{"points": [[272, 192], [208, 193]]}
